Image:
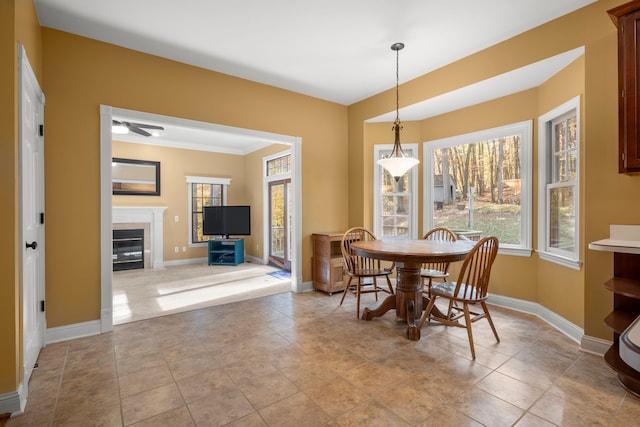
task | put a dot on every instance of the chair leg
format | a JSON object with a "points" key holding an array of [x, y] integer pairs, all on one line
{"points": [[389, 284], [467, 319], [375, 287], [427, 312], [346, 289], [486, 312], [358, 285]]}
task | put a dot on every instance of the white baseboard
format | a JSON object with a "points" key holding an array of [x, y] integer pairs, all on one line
{"points": [[307, 286], [254, 260], [13, 402], [595, 345], [184, 262], [560, 323], [69, 332]]}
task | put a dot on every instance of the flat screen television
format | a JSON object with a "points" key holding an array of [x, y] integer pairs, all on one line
{"points": [[226, 221]]}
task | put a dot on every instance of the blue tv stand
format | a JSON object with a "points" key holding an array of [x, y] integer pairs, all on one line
{"points": [[225, 252]]}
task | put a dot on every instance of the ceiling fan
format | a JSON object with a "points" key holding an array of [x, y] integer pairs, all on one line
{"points": [[122, 127]]}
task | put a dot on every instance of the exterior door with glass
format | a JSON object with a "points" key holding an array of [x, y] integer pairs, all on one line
{"points": [[280, 211]]}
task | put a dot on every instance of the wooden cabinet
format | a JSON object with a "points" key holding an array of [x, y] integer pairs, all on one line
{"points": [[327, 263], [627, 19], [625, 285], [225, 252]]}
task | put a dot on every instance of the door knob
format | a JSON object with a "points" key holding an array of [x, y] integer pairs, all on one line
{"points": [[32, 245]]}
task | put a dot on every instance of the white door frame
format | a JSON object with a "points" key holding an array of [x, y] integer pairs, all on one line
{"points": [[106, 274], [31, 200]]}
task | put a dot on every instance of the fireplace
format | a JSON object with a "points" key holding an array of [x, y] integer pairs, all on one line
{"points": [[150, 219], [128, 249]]}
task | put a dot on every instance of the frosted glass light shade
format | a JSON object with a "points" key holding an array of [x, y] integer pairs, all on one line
{"points": [[119, 129], [398, 166]]}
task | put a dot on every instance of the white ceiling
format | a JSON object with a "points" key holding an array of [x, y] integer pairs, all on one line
{"points": [[337, 50]]}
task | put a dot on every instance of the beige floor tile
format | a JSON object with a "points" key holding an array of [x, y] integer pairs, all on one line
{"points": [[629, 412], [336, 397], [252, 420], [510, 390], [220, 408], [179, 417], [267, 389], [487, 409], [144, 380], [447, 416], [530, 420], [300, 359], [294, 411], [371, 414], [150, 403], [206, 383], [566, 412]]}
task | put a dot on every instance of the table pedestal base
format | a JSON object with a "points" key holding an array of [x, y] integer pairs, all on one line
{"points": [[407, 301]]}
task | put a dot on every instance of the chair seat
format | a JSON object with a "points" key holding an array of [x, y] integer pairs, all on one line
{"points": [[446, 290], [430, 272]]}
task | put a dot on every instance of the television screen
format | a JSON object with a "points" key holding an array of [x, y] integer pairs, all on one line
{"points": [[226, 221]]}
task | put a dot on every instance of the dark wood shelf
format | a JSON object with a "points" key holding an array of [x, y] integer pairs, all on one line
{"points": [[628, 287], [619, 320]]}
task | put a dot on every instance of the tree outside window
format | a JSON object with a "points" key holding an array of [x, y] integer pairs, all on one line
{"points": [[479, 185]]}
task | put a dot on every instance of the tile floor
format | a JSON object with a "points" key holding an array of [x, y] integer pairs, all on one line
{"points": [[301, 360]]}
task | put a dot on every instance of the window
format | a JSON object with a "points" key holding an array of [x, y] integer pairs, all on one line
{"points": [[204, 191], [479, 184], [394, 206], [559, 160], [279, 165]]}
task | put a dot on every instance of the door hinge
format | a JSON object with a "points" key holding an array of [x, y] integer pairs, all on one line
{"points": [[42, 305], [41, 130], [41, 217]]}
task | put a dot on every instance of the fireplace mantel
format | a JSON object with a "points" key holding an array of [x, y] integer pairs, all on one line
{"points": [[145, 214]]}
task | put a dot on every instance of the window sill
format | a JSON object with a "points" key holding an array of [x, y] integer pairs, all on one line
{"points": [[514, 251], [563, 261]]}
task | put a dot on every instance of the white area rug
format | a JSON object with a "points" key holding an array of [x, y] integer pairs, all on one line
{"points": [[143, 294]]}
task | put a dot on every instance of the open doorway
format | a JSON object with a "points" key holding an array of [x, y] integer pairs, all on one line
{"points": [[107, 114]]}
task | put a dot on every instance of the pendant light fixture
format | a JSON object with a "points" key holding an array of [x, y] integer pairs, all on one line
{"points": [[397, 163]]}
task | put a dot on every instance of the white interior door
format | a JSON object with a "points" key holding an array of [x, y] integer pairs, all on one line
{"points": [[31, 119]]}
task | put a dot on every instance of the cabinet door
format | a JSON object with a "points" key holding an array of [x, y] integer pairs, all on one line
{"points": [[628, 57]]}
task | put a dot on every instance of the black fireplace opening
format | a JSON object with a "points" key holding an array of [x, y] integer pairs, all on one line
{"points": [[128, 249]]}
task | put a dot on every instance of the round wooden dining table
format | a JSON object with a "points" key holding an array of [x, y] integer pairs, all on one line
{"points": [[408, 256]]}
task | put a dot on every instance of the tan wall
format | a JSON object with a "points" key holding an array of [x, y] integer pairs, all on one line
{"points": [[82, 74], [608, 197], [9, 324]]}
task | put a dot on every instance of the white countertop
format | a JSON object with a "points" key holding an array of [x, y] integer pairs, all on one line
{"points": [[622, 238]]}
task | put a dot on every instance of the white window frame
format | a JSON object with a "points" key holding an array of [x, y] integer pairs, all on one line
{"points": [[413, 190], [558, 256], [202, 180], [525, 129]]}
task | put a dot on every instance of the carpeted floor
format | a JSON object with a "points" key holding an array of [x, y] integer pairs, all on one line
{"points": [[148, 293]]}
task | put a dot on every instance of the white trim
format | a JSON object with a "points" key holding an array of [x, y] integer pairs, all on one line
{"points": [[525, 128], [186, 261], [207, 180], [13, 402], [595, 345], [412, 194], [265, 200], [544, 173], [560, 323], [73, 331], [106, 274]]}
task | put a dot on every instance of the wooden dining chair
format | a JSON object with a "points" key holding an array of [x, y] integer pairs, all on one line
{"points": [[436, 270], [362, 268], [470, 289]]}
